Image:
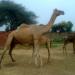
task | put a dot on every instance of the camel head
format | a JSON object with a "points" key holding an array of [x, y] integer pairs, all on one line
{"points": [[58, 12]]}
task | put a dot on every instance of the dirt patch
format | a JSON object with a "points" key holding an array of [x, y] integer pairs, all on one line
{"points": [[60, 63]]}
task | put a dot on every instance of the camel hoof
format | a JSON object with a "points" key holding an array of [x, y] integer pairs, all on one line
{"points": [[13, 60], [39, 65]]}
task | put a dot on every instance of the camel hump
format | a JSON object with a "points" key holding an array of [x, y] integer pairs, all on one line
{"points": [[23, 25]]}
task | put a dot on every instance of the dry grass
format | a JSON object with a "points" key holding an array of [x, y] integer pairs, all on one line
{"points": [[60, 64]]}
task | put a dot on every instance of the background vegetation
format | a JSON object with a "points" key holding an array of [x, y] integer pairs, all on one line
{"points": [[13, 14]]}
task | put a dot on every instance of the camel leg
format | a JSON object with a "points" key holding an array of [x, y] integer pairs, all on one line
{"points": [[10, 52], [7, 46], [74, 47], [64, 49], [2, 57], [50, 43], [33, 51], [37, 58], [5, 49], [48, 48]]}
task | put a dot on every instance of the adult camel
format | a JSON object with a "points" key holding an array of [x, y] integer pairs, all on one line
{"points": [[69, 39], [32, 35]]}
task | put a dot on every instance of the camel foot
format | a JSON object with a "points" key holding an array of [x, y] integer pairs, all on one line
{"points": [[13, 60], [39, 64]]}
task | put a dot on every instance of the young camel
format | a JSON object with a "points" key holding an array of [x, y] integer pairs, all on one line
{"points": [[69, 39], [31, 35]]}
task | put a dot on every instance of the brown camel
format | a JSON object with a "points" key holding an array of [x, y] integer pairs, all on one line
{"points": [[32, 35], [69, 39]]}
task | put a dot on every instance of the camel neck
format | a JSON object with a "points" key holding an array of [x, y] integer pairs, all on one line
{"points": [[51, 22], [47, 27]]}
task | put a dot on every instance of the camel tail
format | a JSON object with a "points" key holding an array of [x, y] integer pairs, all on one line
{"points": [[7, 46]]}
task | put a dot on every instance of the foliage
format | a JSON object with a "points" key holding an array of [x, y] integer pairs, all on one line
{"points": [[12, 15], [63, 27]]}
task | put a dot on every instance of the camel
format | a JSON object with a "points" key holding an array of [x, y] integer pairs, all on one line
{"points": [[31, 35], [69, 39], [43, 40]]}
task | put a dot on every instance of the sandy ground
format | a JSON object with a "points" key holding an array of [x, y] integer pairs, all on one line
{"points": [[60, 63]]}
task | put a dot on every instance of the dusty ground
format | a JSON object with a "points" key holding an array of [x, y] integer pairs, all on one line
{"points": [[60, 64]]}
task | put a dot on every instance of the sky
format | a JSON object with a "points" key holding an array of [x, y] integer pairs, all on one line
{"points": [[44, 9]]}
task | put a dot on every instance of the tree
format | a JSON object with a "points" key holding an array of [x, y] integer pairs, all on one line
{"points": [[12, 15], [63, 27]]}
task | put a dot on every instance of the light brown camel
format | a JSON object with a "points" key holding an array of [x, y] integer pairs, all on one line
{"points": [[32, 35], [43, 40]]}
